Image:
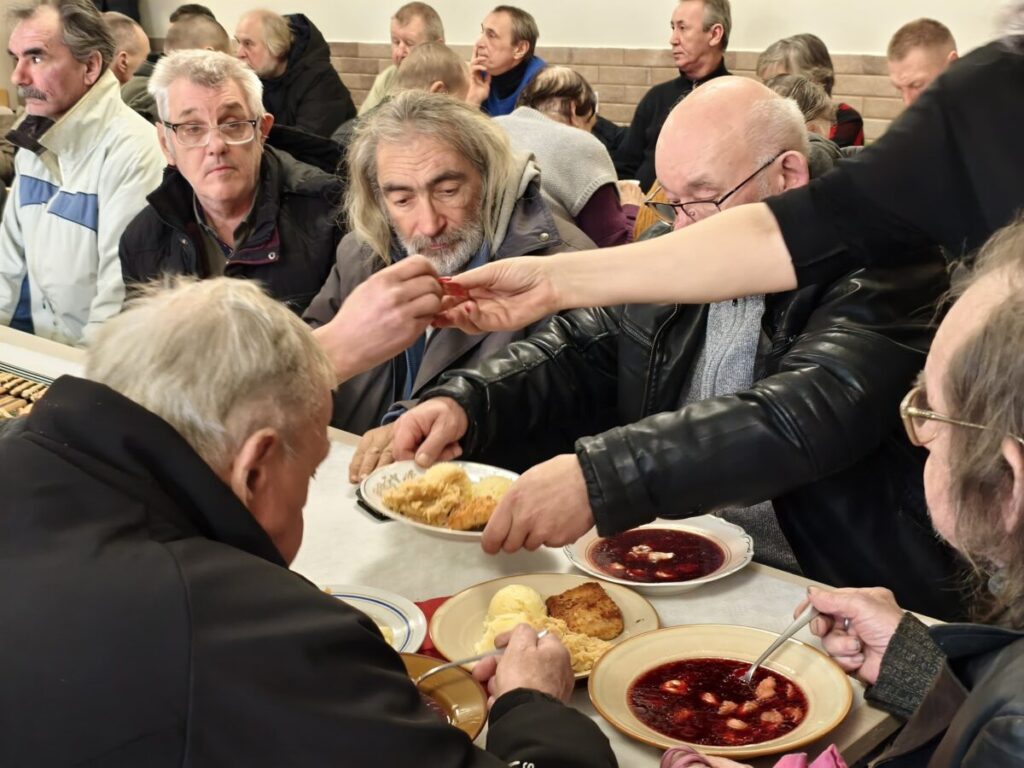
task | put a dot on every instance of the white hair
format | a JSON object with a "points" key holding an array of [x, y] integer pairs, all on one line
{"points": [[217, 360], [210, 69], [775, 125]]}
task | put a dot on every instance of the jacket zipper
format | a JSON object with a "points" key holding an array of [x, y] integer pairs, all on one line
{"points": [[650, 363]]}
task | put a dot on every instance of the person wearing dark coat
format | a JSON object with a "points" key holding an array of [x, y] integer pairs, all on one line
{"points": [[300, 86], [151, 511]]}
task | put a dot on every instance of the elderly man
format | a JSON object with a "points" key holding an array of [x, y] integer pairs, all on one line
{"points": [[86, 163], [918, 53], [413, 24], [781, 407], [432, 176], [189, 31], [131, 45], [700, 35], [300, 87], [504, 59], [147, 604], [230, 205]]}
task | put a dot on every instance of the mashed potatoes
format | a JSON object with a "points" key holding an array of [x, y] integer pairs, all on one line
{"points": [[516, 598]]}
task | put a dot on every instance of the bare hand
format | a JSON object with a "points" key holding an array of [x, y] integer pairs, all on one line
{"points": [[430, 432], [630, 193], [505, 295], [547, 505], [382, 317], [541, 665], [874, 616], [374, 450], [479, 82]]}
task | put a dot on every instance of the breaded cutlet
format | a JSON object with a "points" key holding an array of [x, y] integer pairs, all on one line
{"points": [[587, 609]]}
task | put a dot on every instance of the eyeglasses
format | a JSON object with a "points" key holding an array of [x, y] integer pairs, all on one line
{"points": [[701, 209], [198, 134], [914, 415]]}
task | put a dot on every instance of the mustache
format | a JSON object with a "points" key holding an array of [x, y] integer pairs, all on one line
{"points": [[28, 92]]}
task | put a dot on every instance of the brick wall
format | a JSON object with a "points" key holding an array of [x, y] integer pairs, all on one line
{"points": [[621, 76]]}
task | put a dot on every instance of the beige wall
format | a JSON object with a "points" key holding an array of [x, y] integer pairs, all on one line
{"points": [[861, 27]]}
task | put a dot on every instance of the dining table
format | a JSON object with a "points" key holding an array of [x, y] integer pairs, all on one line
{"points": [[343, 544]]}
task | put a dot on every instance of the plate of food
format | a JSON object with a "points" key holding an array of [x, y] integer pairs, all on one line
{"points": [[453, 500], [400, 621], [665, 556], [681, 685], [588, 617], [453, 695]]}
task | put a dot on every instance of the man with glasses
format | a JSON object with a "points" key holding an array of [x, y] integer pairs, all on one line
{"points": [[229, 205], [86, 161], [780, 412]]}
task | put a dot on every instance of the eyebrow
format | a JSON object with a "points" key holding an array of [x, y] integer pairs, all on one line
{"points": [[442, 177], [27, 52], [226, 108]]}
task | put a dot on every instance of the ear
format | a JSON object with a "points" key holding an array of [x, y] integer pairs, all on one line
{"points": [[437, 86], [520, 49], [93, 68], [953, 56], [249, 475], [717, 32], [1013, 452], [265, 125], [120, 62], [795, 172]]}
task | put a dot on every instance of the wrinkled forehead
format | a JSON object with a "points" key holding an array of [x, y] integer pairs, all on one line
{"points": [[40, 30], [699, 148], [419, 160], [185, 97]]}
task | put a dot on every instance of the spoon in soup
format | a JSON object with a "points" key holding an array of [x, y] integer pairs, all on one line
{"points": [[801, 621], [460, 662]]}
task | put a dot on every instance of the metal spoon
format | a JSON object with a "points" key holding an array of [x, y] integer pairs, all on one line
{"points": [[801, 621], [459, 662]]}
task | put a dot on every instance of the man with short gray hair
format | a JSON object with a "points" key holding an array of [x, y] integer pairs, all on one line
{"points": [[131, 45], [86, 163], [301, 89], [229, 204], [164, 491], [781, 407]]}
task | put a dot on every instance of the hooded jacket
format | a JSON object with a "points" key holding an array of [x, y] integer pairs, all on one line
{"points": [[525, 226], [310, 94], [289, 248]]}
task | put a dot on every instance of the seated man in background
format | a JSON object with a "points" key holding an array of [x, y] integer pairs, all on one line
{"points": [[504, 59], [432, 176], [191, 31], [229, 205], [189, 641], [84, 167], [301, 88], [919, 52], [131, 45], [781, 410], [413, 24]]}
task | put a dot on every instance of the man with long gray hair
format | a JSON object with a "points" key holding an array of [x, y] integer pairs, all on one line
{"points": [[431, 176], [151, 511], [86, 163]]}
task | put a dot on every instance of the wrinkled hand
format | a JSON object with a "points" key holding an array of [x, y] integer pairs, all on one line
{"points": [[479, 82], [430, 432], [505, 295], [874, 616], [542, 665], [374, 450], [383, 316], [629, 193], [547, 505]]}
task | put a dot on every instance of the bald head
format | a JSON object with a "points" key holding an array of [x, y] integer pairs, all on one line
{"points": [[720, 135], [131, 45]]}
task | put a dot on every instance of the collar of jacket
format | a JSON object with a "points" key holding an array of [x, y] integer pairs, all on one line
{"points": [[962, 640], [718, 71], [79, 129], [172, 201], [136, 450]]}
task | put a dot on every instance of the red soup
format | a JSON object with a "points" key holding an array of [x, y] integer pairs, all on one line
{"points": [[656, 554], [705, 701]]}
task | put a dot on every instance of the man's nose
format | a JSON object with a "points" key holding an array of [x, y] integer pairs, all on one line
{"points": [[20, 74], [429, 222], [217, 145]]}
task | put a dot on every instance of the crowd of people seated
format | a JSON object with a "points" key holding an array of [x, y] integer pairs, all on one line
{"points": [[460, 268]]}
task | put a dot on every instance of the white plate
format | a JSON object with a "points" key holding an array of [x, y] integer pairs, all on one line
{"points": [[386, 478], [406, 621], [825, 685], [734, 541], [458, 624]]}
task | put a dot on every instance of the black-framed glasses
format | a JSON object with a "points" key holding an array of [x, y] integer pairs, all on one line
{"points": [[701, 209], [198, 134], [914, 413]]}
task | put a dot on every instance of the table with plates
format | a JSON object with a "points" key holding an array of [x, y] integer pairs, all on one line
{"points": [[343, 544]]}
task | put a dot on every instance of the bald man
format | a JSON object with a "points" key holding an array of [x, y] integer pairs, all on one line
{"points": [[781, 409], [131, 45]]}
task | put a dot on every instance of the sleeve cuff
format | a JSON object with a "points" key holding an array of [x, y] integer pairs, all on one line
{"points": [[909, 667]]}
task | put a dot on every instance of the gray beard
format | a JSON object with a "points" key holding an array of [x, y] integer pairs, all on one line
{"points": [[460, 246]]}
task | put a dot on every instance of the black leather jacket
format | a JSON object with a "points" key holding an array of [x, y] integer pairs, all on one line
{"points": [[818, 433]]}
